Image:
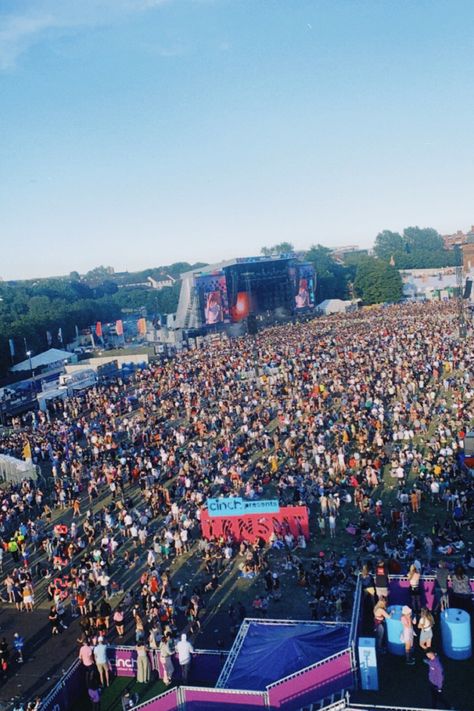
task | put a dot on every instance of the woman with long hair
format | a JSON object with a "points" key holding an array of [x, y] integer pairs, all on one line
{"points": [[425, 625], [414, 578], [143, 664]]}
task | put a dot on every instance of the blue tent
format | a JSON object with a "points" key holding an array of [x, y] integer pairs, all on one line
{"points": [[270, 652]]}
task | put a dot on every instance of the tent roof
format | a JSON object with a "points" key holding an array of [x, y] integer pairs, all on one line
{"points": [[272, 652], [54, 355], [333, 302]]}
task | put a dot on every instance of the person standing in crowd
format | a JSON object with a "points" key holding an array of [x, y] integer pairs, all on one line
{"points": [[93, 693], [19, 643], [184, 649], [53, 620], [380, 615], [436, 680], [143, 664], [414, 578], [407, 635], [368, 586], [425, 625], [119, 617], [100, 658], [86, 656], [442, 577], [166, 658], [461, 589], [381, 579]]}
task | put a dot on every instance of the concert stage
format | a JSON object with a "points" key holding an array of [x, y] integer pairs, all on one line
{"points": [[240, 291]]}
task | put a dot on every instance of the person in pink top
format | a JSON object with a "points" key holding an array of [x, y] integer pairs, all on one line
{"points": [[86, 655]]}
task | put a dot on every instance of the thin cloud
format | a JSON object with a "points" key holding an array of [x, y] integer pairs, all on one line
{"points": [[41, 19]]}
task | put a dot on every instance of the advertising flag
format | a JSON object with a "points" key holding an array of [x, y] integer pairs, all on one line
{"points": [[77, 330], [98, 329], [60, 335], [141, 326], [11, 343], [119, 327], [27, 451], [49, 338]]}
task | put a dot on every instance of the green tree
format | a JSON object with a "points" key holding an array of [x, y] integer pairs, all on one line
{"points": [[281, 248], [417, 248], [332, 278], [377, 282], [388, 244]]}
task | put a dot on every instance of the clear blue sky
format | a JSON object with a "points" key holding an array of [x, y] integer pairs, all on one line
{"points": [[140, 132]]}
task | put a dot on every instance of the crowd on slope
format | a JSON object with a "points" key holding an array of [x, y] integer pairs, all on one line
{"points": [[333, 414]]}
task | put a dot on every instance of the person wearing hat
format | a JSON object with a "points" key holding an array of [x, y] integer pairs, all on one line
{"points": [[184, 649], [100, 657], [407, 634]]}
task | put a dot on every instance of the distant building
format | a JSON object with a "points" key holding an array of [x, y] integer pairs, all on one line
{"points": [[432, 284], [468, 255], [458, 239], [340, 254]]}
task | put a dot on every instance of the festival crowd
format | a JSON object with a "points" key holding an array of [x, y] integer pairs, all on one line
{"points": [[360, 417]]}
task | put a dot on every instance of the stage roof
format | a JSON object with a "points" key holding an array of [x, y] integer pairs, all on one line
{"points": [[219, 266]]}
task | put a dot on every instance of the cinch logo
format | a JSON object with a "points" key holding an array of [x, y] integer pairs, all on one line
{"points": [[121, 663], [237, 506]]}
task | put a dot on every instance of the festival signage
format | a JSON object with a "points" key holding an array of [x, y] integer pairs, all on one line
{"points": [[252, 526], [236, 506]]}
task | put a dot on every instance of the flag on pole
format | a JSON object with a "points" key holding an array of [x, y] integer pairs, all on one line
{"points": [[98, 329], [77, 330], [60, 335], [49, 338], [27, 451], [92, 338], [119, 327], [11, 343], [141, 326]]}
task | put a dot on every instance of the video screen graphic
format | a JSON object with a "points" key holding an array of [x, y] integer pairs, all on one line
{"points": [[305, 287], [213, 312], [212, 290]]}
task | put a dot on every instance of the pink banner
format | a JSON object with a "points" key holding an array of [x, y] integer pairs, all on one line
{"points": [[250, 527], [124, 660], [313, 684], [168, 701], [202, 699]]}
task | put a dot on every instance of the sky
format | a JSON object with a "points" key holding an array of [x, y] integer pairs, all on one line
{"points": [[136, 133]]}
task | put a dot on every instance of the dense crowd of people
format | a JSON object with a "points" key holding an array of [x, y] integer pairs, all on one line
{"points": [[361, 417]]}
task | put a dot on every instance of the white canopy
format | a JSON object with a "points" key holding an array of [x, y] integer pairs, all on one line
{"points": [[53, 356], [14, 470]]}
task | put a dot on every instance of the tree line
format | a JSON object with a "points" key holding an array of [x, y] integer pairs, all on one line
{"points": [[37, 314], [46, 312], [374, 278]]}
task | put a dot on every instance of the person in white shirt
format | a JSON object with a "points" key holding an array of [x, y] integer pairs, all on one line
{"points": [[185, 650], [100, 656]]}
